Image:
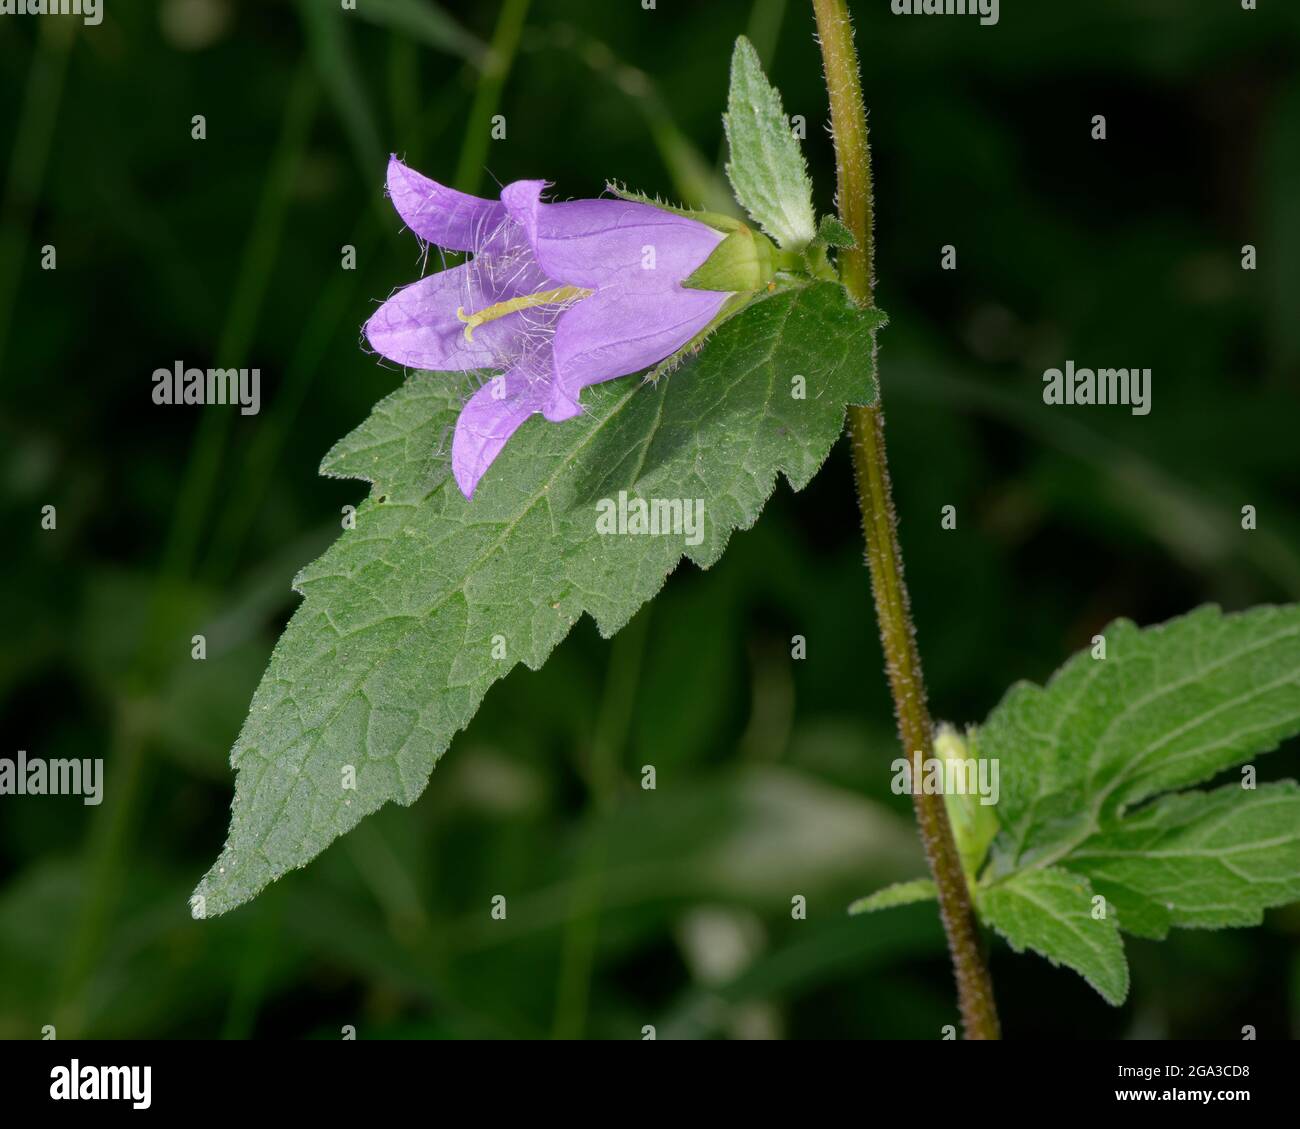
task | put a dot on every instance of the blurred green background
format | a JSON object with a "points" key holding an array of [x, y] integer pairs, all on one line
{"points": [[627, 908]]}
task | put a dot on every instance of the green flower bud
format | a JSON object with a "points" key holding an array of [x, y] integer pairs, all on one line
{"points": [[744, 262], [974, 824]]}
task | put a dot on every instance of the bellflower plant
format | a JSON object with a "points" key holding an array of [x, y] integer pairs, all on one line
{"points": [[1091, 823], [556, 297]]}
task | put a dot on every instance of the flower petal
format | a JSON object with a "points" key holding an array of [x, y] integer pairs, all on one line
{"points": [[596, 243], [493, 414], [442, 215], [417, 327], [612, 334]]}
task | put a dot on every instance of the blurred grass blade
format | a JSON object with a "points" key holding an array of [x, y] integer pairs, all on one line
{"points": [[487, 97], [332, 55], [1281, 256], [40, 110], [237, 334], [428, 23], [696, 182], [255, 477], [764, 30], [1194, 527]]}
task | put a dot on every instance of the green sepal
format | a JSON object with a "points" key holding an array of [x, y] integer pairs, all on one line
{"points": [[717, 220]]}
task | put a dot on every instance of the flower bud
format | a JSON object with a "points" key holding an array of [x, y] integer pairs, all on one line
{"points": [[745, 261], [974, 824]]}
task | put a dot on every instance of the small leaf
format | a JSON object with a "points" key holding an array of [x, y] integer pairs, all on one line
{"points": [[1051, 912], [767, 168], [832, 233], [899, 894], [410, 617]]}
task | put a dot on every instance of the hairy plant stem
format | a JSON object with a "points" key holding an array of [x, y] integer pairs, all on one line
{"points": [[880, 527]]}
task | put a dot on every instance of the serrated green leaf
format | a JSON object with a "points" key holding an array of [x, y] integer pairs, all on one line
{"points": [[1051, 912], [1167, 708], [1157, 710], [831, 232], [899, 894], [1134, 913], [394, 646], [767, 168], [1208, 859]]}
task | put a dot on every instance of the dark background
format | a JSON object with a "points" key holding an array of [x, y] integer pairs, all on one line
{"points": [[626, 908]]}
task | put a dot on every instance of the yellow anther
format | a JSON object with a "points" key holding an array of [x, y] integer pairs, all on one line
{"points": [[556, 297]]}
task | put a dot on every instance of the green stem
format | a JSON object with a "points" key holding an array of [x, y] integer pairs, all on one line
{"points": [[880, 527]]}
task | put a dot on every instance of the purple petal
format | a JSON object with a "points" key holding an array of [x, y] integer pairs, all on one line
{"points": [[597, 243], [417, 327], [442, 215], [612, 334], [492, 415]]}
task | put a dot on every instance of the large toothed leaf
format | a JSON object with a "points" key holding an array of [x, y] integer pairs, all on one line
{"points": [[411, 616], [1053, 912], [1147, 712], [1208, 859], [766, 168], [1166, 708]]}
